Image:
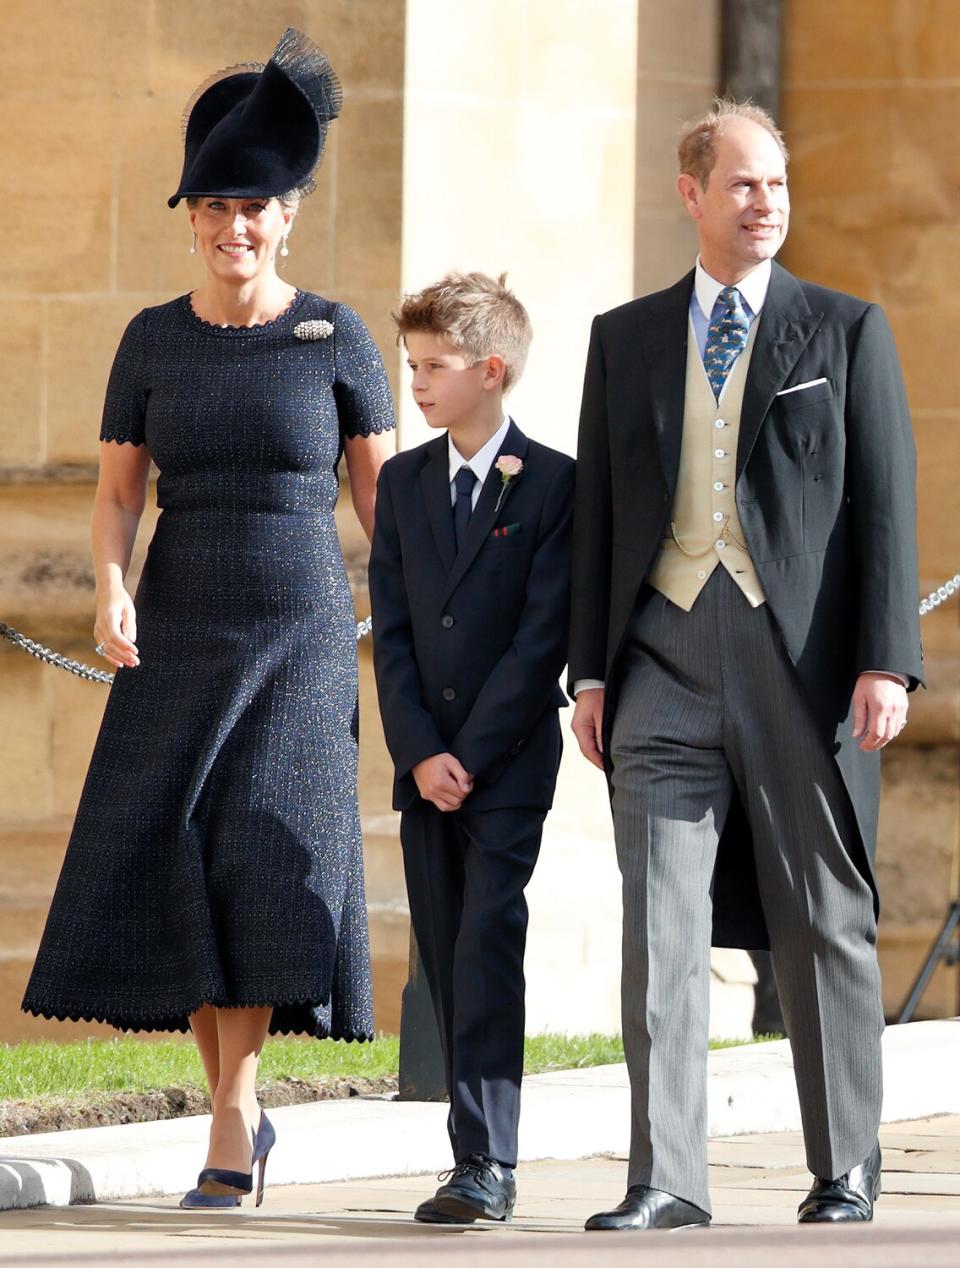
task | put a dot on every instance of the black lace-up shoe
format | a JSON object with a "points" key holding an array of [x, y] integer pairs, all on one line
{"points": [[427, 1213], [848, 1198], [477, 1189], [645, 1208]]}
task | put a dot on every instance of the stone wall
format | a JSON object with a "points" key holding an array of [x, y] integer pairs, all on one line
{"points": [[678, 69], [869, 106]]}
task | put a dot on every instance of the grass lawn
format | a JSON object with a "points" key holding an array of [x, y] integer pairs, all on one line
{"points": [[32, 1071]]}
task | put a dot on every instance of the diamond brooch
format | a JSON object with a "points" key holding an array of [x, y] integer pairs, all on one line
{"points": [[313, 330]]}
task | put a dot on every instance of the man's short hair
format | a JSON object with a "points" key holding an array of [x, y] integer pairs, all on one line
{"points": [[475, 313], [697, 149]]}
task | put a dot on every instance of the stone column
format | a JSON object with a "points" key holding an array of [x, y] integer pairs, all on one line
{"points": [[519, 152]]}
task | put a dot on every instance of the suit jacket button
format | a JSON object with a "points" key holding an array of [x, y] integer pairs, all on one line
{"points": [[448, 693], [447, 621]]}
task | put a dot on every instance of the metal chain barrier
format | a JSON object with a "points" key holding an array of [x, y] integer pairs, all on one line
{"points": [[941, 594], [89, 674]]}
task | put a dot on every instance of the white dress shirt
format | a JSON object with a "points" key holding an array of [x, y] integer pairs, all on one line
{"points": [[479, 464]]}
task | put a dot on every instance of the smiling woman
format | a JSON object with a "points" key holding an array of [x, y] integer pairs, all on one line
{"points": [[238, 240], [214, 876]]}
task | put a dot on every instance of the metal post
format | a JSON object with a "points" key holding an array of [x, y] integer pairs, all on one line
{"points": [[943, 950], [421, 1058], [750, 51]]}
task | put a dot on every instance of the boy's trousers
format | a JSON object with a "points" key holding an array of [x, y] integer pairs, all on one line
{"points": [[466, 871]]}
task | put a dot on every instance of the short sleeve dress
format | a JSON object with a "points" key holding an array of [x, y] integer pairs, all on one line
{"points": [[216, 854]]}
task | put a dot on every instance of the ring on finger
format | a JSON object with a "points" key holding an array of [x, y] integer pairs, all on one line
{"points": [[99, 649]]}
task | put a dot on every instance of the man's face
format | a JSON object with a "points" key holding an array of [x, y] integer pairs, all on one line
{"points": [[743, 214]]}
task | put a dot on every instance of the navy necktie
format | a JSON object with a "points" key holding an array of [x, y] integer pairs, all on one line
{"points": [[463, 481], [726, 337]]}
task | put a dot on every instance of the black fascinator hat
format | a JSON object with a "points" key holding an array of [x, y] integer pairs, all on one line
{"points": [[255, 131]]}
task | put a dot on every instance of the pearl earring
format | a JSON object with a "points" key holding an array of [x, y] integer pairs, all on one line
{"points": [[193, 248], [284, 249]]}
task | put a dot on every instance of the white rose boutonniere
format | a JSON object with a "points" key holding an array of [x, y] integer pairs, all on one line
{"points": [[313, 330], [510, 467]]}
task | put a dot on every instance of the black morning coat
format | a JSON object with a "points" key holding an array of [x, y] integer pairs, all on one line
{"points": [[825, 494], [468, 646]]}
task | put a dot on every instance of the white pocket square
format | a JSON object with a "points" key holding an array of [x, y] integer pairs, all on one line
{"points": [[799, 387]]}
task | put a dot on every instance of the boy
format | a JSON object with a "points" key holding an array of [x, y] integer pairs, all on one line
{"points": [[469, 585]]}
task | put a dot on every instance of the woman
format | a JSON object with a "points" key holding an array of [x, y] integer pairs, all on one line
{"points": [[214, 880]]}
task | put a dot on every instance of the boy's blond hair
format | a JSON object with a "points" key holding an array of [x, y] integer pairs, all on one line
{"points": [[476, 314]]}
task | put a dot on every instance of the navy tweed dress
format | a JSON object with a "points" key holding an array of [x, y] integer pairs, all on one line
{"points": [[216, 855]]}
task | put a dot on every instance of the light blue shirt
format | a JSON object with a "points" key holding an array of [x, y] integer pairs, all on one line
{"points": [[706, 290]]}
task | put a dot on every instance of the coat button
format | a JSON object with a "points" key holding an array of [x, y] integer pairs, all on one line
{"points": [[447, 621], [448, 693]]}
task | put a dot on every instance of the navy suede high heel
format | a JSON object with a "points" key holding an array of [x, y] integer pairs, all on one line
{"points": [[263, 1142], [196, 1201], [220, 1188]]}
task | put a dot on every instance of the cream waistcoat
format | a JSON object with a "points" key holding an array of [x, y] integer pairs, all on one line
{"points": [[705, 529]]}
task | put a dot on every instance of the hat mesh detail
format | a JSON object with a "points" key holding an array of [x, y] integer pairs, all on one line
{"points": [[309, 68], [242, 68]]}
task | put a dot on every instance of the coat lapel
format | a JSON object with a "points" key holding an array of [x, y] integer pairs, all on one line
{"points": [[664, 333], [435, 484], [485, 513], [786, 326]]}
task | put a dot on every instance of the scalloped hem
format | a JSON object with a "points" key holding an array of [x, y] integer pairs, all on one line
{"points": [[178, 1022]]}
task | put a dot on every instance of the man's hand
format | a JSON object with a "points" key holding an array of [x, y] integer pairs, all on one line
{"points": [[879, 710], [587, 724], [442, 780]]}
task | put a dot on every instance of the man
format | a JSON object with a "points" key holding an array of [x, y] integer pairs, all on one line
{"points": [[743, 639]]}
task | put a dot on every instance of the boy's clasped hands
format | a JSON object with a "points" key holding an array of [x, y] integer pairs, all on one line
{"points": [[442, 780]]}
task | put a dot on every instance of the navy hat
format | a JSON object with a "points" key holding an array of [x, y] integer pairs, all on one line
{"points": [[255, 131]]}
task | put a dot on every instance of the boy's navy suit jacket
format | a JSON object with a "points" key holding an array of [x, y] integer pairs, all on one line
{"points": [[468, 646]]}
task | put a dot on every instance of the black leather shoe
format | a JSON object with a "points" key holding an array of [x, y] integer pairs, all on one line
{"points": [[477, 1190], [427, 1213], [649, 1208], [849, 1197]]}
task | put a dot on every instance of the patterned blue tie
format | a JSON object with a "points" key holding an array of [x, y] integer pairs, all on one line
{"points": [[726, 337], [463, 481]]}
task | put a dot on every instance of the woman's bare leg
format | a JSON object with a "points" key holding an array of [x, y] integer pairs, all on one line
{"points": [[236, 1111], [203, 1023]]}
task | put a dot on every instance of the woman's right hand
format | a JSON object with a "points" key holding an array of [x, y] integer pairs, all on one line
{"points": [[116, 629]]}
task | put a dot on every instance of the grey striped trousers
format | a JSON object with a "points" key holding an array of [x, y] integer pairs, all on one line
{"points": [[711, 703]]}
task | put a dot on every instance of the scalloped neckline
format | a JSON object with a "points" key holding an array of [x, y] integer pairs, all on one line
{"points": [[215, 328]]}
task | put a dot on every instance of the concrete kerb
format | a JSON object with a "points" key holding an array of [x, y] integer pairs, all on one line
{"points": [[568, 1114]]}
